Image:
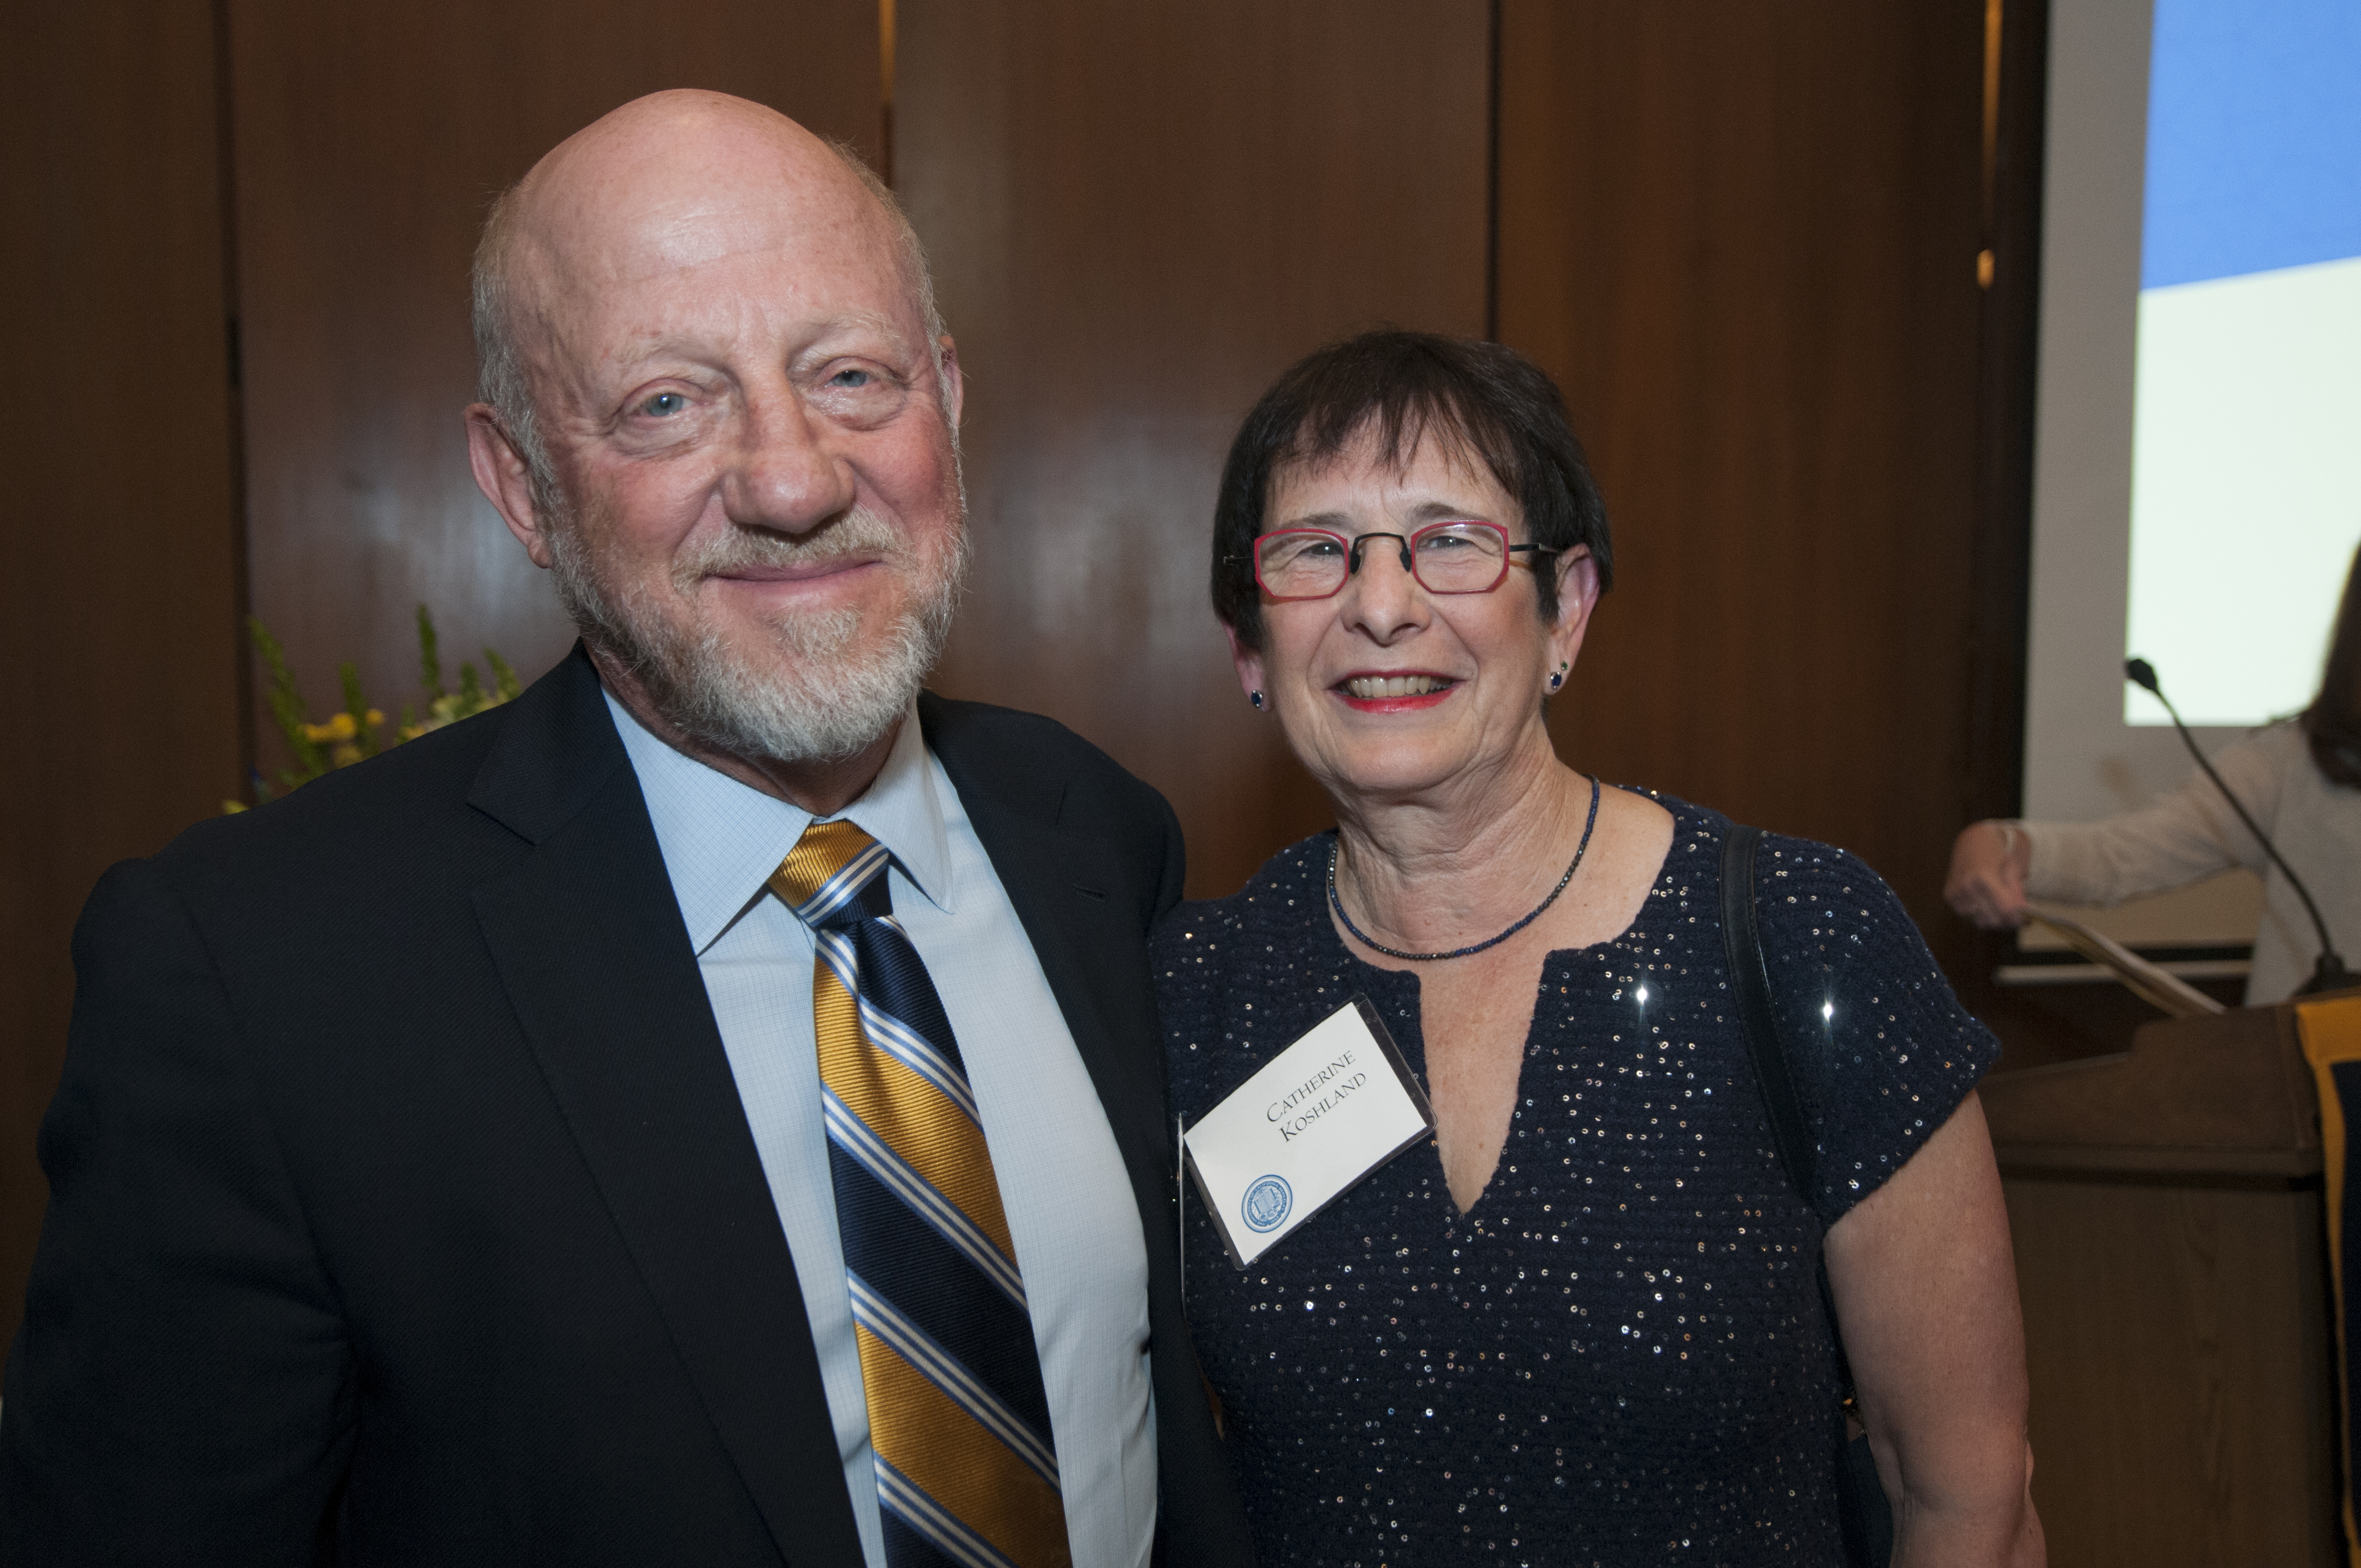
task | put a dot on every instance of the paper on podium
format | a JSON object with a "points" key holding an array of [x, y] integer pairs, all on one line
{"points": [[2141, 978]]}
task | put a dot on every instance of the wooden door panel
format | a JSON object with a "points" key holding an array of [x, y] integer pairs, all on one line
{"points": [[1743, 240], [118, 593], [1139, 216]]}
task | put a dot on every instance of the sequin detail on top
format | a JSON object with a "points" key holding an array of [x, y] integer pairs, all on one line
{"points": [[1618, 1356]]}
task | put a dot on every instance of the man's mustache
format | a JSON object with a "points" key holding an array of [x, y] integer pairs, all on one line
{"points": [[855, 533]]}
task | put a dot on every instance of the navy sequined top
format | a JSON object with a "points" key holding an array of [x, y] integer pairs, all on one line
{"points": [[1620, 1354]]}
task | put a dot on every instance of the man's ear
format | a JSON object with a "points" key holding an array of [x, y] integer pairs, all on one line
{"points": [[954, 385], [506, 479]]}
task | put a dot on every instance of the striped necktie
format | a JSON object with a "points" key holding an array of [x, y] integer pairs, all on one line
{"points": [[958, 1419]]}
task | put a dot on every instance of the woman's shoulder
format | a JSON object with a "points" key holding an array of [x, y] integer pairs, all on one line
{"points": [[1201, 950], [1235, 977], [1798, 879], [1883, 1051], [1285, 894], [1822, 906], [2278, 751], [1790, 873]]}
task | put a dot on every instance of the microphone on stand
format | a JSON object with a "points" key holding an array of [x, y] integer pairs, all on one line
{"points": [[2329, 973]]}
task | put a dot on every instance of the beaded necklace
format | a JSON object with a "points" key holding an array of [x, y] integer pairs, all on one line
{"points": [[1338, 903]]}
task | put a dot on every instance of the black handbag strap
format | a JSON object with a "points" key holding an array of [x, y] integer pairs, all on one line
{"points": [[1861, 1506], [1750, 978]]}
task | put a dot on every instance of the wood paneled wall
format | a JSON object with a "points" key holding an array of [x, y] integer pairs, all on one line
{"points": [[1743, 240], [1742, 237], [369, 139], [119, 587], [1139, 216]]}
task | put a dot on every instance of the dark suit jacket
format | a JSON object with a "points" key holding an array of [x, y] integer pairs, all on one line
{"points": [[402, 1207]]}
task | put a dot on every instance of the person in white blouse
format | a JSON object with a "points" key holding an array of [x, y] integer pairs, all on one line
{"points": [[2299, 777]]}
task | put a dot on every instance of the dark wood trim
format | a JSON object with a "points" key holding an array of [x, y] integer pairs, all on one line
{"points": [[2000, 587], [886, 25], [241, 576], [1492, 174], [2007, 339]]}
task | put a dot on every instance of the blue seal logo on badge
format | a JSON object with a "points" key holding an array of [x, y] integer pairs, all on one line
{"points": [[1267, 1203]]}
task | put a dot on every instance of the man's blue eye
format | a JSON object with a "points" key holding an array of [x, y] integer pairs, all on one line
{"points": [[664, 404], [851, 379]]}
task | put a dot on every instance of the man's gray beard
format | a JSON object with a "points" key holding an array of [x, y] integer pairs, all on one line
{"points": [[818, 703]]}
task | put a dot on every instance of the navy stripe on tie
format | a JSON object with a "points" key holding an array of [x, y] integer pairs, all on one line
{"points": [[954, 1224], [895, 1330], [933, 1285], [894, 978]]}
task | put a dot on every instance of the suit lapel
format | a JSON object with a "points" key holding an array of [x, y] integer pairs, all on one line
{"points": [[588, 941], [1065, 890], [1090, 952]]}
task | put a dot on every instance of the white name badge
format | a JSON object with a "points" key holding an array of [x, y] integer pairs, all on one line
{"points": [[1309, 1124]]}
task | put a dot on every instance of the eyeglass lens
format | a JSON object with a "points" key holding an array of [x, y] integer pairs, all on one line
{"points": [[1458, 557]]}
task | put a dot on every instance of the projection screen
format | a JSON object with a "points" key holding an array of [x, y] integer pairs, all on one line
{"points": [[2197, 471]]}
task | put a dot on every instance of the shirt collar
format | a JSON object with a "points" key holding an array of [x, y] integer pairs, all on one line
{"points": [[721, 839]]}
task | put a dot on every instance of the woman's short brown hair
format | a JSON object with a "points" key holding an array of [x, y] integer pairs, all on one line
{"points": [[1484, 401]]}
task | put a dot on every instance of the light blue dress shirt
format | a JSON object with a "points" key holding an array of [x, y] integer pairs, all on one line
{"points": [[1062, 1181]]}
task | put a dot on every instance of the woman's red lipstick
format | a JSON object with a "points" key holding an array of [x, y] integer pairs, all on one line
{"points": [[1405, 703]]}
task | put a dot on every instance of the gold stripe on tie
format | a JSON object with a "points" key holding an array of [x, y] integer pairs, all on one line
{"points": [[923, 1434], [910, 1113], [825, 848]]}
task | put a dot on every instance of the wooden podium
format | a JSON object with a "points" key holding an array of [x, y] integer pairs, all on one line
{"points": [[2166, 1209]]}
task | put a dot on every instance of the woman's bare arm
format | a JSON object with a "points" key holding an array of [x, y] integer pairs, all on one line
{"points": [[1925, 1291]]}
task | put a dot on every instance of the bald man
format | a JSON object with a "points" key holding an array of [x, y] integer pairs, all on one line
{"points": [[728, 1128]]}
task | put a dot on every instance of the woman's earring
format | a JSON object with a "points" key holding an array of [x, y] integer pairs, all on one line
{"points": [[1557, 676], [1255, 697]]}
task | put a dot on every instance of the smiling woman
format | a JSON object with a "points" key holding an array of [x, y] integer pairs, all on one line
{"points": [[1589, 1310]]}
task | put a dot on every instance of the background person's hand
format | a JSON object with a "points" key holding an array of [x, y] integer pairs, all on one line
{"points": [[1989, 860]]}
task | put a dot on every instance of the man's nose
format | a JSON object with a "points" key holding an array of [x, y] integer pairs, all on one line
{"points": [[784, 473]]}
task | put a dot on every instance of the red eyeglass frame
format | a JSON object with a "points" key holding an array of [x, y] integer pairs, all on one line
{"points": [[1353, 542]]}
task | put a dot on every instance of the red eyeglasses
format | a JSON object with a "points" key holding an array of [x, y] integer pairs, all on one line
{"points": [[1460, 556]]}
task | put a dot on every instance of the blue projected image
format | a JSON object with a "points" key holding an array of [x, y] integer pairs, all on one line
{"points": [[2253, 137], [2246, 471]]}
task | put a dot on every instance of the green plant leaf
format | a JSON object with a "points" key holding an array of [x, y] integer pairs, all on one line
{"points": [[430, 665], [356, 704], [286, 705]]}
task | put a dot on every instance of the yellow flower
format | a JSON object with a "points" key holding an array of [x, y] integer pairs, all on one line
{"points": [[375, 718], [320, 734], [344, 754]]}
